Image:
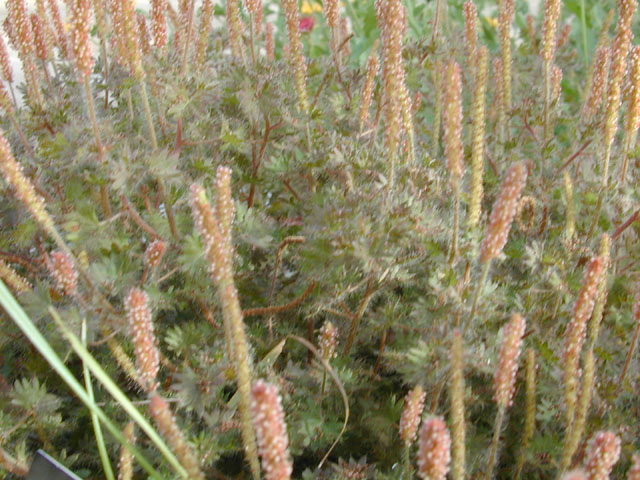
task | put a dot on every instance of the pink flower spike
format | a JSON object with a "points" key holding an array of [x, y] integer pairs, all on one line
{"points": [[271, 431], [434, 450]]}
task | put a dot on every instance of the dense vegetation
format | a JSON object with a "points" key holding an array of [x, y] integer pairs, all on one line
{"points": [[415, 224]]}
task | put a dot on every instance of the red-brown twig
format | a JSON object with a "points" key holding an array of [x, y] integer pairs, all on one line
{"points": [[625, 225]]}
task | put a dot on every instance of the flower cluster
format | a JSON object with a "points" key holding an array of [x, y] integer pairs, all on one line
{"points": [[154, 253], [64, 272], [170, 430], [328, 340], [600, 75], [410, 419], [80, 26], [434, 450], [271, 431], [505, 377], [453, 121], [144, 340], [504, 209], [551, 15], [602, 454], [13, 279], [159, 22]]}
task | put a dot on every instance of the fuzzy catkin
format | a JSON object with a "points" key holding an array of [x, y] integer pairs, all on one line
{"points": [[556, 83], [453, 122], [204, 31], [507, 13], [471, 34], [478, 136], [5, 66], [5, 101], [144, 340], [504, 381], [550, 25], [154, 253], [145, 39], [410, 419], [215, 230], [634, 471], [328, 341], [39, 37], [62, 41], [633, 102], [601, 296], [570, 222], [577, 429], [504, 209], [125, 465], [578, 474], [80, 26], [331, 10], [390, 20], [64, 272], [299, 64], [271, 431], [159, 23], [19, 19], [13, 279], [498, 98], [373, 65], [575, 334], [24, 190], [457, 422], [621, 45], [269, 42], [602, 454], [166, 422], [434, 450], [599, 80], [234, 23]]}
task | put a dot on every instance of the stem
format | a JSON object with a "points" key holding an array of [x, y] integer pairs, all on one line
{"points": [[407, 461], [252, 39], [170, 216], [625, 161], [547, 100], [456, 220], [13, 95], [324, 381], [16, 125], [634, 342], [493, 456], [104, 200], [480, 286], [130, 104], [92, 114], [185, 58], [147, 112], [103, 50], [603, 187]]}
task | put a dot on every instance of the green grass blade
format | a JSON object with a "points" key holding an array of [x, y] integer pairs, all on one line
{"points": [[124, 402], [15, 311], [97, 430]]}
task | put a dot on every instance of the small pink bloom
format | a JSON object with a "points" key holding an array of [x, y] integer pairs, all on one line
{"points": [[306, 24]]}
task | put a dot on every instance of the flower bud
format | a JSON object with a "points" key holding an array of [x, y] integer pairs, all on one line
{"points": [[154, 253], [453, 121], [80, 25], [328, 341], [159, 22]]}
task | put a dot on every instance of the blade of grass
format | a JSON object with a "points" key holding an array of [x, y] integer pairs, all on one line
{"points": [[15, 311], [117, 394], [97, 430]]}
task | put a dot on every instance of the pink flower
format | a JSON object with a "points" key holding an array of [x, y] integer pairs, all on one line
{"points": [[306, 24]]}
